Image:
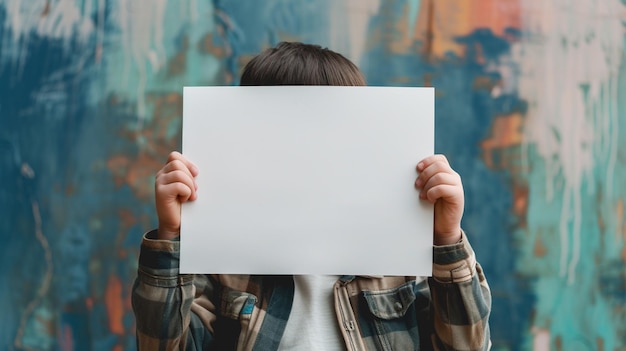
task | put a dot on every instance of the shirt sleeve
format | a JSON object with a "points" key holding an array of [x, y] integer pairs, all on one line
{"points": [[461, 299], [162, 300]]}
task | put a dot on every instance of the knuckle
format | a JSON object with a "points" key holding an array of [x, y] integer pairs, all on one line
{"points": [[182, 189], [172, 155], [439, 157], [442, 163], [438, 178], [177, 164], [187, 192], [432, 193], [159, 179], [179, 175]]}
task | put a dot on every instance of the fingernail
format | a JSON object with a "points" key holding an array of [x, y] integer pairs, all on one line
{"points": [[418, 183], [420, 166]]}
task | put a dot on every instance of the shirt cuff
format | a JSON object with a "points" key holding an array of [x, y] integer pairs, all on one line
{"points": [[454, 263], [159, 261]]}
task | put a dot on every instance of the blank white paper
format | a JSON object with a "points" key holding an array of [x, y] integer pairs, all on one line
{"points": [[307, 180]]}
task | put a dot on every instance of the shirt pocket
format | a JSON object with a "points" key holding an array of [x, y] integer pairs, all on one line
{"points": [[390, 319], [392, 303], [240, 313], [237, 304]]}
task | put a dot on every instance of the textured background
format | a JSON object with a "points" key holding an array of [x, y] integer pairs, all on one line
{"points": [[531, 104]]}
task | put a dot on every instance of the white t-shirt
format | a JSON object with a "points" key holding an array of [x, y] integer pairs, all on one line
{"points": [[312, 324]]}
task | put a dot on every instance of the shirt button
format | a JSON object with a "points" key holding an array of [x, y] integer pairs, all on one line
{"points": [[398, 306]]}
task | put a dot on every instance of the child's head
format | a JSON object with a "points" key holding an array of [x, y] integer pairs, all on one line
{"points": [[301, 64]]}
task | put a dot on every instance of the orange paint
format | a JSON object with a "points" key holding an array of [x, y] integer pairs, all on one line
{"points": [[439, 22], [401, 44], [558, 343], [539, 250], [127, 218], [117, 165], [128, 302], [66, 339], [520, 201], [137, 171], [207, 45], [122, 254], [89, 303], [177, 65], [114, 305], [495, 14], [141, 175], [506, 131], [454, 18]]}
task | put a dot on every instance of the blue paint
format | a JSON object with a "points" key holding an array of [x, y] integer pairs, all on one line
{"points": [[463, 118], [69, 124], [43, 108]]}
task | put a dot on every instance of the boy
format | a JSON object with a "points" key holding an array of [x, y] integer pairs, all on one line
{"points": [[449, 311]]}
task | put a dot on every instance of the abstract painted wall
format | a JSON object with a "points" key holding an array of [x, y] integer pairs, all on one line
{"points": [[531, 107]]}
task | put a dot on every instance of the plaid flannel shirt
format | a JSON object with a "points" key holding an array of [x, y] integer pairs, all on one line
{"points": [[448, 311]]}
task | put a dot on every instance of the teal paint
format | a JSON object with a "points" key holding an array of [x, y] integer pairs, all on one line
{"points": [[75, 101], [573, 246], [413, 10]]}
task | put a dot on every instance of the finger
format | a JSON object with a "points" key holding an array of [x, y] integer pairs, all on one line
{"points": [[442, 191], [168, 175], [176, 176], [182, 191], [433, 169], [177, 165], [440, 179], [177, 156], [173, 177], [423, 164]]}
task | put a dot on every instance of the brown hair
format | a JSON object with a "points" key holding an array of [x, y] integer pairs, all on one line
{"points": [[301, 64]]}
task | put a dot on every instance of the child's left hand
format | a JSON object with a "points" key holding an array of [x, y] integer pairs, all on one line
{"points": [[441, 185]]}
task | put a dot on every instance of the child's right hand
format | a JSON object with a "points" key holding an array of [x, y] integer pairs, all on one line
{"points": [[175, 184]]}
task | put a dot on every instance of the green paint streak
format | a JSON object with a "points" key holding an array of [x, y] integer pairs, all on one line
{"points": [[591, 309]]}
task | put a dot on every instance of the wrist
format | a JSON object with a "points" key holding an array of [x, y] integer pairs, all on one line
{"points": [[165, 234], [448, 238]]}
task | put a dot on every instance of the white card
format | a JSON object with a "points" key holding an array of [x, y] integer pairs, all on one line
{"points": [[307, 180]]}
